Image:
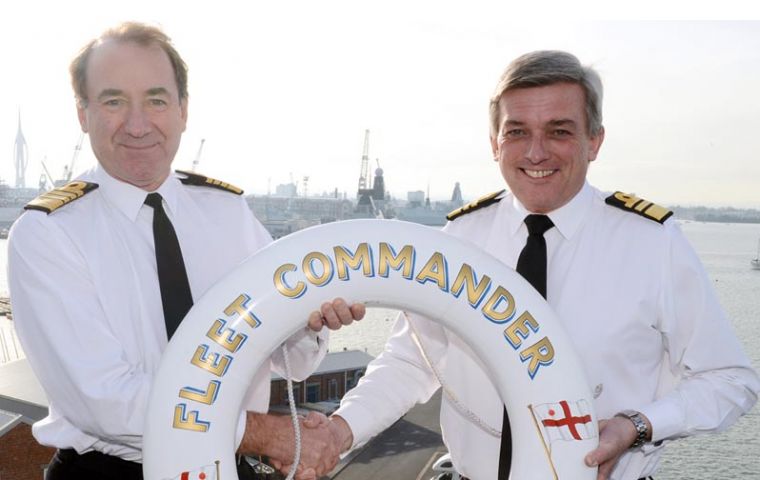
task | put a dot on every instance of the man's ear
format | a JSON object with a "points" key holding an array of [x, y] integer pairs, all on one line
{"points": [[183, 113], [82, 115], [596, 144]]}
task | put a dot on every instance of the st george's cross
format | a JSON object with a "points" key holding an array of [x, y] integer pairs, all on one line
{"points": [[565, 420]]}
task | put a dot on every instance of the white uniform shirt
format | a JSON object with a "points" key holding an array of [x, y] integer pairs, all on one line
{"points": [[87, 304], [635, 301]]}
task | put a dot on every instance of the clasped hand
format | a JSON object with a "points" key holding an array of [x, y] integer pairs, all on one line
{"points": [[336, 314], [320, 448]]}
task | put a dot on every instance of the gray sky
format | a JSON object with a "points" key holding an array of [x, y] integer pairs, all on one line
{"points": [[290, 88]]}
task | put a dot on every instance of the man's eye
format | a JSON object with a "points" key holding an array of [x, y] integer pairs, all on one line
{"points": [[514, 133], [158, 102], [112, 102], [561, 133]]}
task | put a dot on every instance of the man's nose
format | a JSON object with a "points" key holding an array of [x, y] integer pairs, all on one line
{"points": [[138, 123], [536, 152]]}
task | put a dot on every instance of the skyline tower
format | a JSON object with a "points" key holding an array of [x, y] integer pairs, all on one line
{"points": [[21, 156]]}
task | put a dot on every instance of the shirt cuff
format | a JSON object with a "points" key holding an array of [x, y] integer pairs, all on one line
{"points": [[666, 419], [308, 340], [240, 430], [356, 416]]}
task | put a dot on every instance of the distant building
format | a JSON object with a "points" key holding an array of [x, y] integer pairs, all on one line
{"points": [[286, 190], [373, 202], [419, 208], [337, 374], [12, 201], [415, 198], [456, 196], [284, 215]]}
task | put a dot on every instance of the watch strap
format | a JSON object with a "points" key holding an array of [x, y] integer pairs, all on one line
{"points": [[642, 430]]}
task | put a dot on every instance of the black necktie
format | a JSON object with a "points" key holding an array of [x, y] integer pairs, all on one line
{"points": [[172, 277], [532, 266]]}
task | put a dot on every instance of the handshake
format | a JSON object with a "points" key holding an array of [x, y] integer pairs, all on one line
{"points": [[323, 439]]}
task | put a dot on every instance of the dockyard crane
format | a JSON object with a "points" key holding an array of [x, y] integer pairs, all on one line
{"points": [[68, 170], [46, 175], [197, 158]]}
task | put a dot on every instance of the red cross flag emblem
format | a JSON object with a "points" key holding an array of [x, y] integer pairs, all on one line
{"points": [[565, 420]]}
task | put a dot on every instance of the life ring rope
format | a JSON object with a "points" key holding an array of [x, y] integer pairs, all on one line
{"points": [[463, 410], [293, 413]]}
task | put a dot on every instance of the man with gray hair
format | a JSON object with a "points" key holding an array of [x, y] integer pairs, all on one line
{"points": [[618, 271], [103, 270]]}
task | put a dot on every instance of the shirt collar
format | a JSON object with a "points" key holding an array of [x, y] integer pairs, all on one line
{"points": [[128, 198], [567, 218]]}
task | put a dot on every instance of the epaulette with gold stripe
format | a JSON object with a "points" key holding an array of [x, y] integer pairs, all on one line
{"points": [[632, 203], [58, 197], [192, 178], [484, 201]]}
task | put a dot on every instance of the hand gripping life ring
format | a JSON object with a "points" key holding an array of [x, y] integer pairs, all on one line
{"points": [[198, 391]]}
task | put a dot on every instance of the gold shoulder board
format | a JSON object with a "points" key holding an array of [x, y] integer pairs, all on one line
{"points": [[56, 198], [477, 204], [204, 181], [632, 203]]}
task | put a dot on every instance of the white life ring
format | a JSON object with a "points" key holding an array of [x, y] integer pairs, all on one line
{"points": [[205, 371]]}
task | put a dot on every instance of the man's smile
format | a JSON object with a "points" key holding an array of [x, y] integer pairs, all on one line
{"points": [[538, 173]]}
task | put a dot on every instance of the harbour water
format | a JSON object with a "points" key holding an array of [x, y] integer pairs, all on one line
{"points": [[725, 250]]}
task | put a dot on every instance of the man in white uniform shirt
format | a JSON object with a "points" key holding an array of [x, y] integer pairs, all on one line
{"points": [[656, 346], [83, 277]]}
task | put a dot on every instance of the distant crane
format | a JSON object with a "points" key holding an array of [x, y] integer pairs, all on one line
{"points": [[364, 171], [197, 158], [46, 175], [68, 170]]}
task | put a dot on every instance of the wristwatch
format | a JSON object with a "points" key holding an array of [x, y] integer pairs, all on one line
{"points": [[642, 430]]}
